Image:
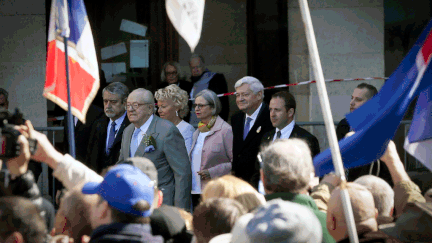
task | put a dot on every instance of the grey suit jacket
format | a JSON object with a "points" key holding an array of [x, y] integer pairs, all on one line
{"points": [[170, 158]]}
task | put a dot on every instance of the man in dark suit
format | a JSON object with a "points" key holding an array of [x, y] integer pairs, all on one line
{"points": [[249, 125], [360, 95], [82, 132], [282, 111], [202, 79], [161, 142], [105, 138]]}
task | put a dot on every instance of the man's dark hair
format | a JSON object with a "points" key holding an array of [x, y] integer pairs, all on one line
{"points": [[288, 98], [21, 215], [120, 217], [119, 89], [372, 91], [216, 216]]}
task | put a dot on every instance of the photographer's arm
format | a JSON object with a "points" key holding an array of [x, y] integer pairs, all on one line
{"points": [[20, 181], [66, 169]]}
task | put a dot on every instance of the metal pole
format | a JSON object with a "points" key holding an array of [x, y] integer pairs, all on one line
{"points": [[71, 125], [328, 119]]}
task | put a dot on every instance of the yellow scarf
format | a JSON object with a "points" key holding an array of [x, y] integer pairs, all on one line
{"points": [[205, 128]]}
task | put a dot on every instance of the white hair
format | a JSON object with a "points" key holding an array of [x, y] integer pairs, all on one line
{"points": [[381, 191], [254, 84]]}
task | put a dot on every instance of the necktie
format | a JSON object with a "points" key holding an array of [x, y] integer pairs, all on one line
{"points": [[278, 134], [246, 127], [134, 142], [111, 137]]}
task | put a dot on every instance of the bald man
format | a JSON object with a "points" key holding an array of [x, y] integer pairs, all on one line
{"points": [[364, 210]]}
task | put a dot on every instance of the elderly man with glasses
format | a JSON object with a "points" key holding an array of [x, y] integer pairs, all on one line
{"points": [[161, 142]]}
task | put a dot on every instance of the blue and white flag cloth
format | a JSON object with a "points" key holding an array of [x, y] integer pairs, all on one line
{"points": [[376, 121], [418, 142]]}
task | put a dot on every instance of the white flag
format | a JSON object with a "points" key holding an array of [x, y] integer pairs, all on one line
{"points": [[187, 18]]}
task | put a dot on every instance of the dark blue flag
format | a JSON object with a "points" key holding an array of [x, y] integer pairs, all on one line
{"points": [[376, 121]]}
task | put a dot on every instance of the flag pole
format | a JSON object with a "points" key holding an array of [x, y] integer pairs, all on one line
{"points": [[70, 122], [328, 119]]}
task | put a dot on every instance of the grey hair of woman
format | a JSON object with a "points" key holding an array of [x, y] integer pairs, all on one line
{"points": [[119, 89], [211, 98], [174, 64], [177, 95]]}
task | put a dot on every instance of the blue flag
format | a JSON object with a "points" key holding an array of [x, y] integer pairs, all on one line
{"points": [[376, 121], [418, 142]]}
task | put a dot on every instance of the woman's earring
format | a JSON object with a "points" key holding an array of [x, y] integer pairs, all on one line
{"points": [[177, 113]]}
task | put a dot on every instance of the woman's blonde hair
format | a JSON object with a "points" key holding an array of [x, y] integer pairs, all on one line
{"points": [[232, 187], [177, 95]]}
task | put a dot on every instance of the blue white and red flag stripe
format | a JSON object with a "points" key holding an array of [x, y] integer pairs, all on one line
{"points": [[83, 66]]}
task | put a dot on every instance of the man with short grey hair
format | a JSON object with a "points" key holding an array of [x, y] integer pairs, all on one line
{"points": [[249, 125], [202, 79], [286, 172], [383, 196], [106, 134], [161, 142]]}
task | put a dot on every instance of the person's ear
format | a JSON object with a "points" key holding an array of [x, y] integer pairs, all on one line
{"points": [[376, 213], [291, 112], [333, 223], [160, 198], [391, 212], [15, 237]]}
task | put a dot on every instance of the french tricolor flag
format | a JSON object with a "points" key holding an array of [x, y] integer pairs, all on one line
{"points": [[419, 139], [69, 18]]}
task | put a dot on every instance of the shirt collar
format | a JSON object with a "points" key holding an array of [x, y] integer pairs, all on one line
{"points": [[119, 120], [146, 125], [287, 129], [255, 114]]}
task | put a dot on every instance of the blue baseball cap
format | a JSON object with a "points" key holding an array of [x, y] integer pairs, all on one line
{"points": [[123, 186]]}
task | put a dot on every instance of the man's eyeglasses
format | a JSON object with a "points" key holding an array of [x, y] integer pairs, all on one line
{"points": [[134, 105], [171, 73], [199, 106]]}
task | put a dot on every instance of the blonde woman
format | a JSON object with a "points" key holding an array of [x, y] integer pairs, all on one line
{"points": [[172, 105], [235, 188]]}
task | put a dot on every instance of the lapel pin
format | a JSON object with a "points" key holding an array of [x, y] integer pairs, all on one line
{"points": [[259, 129]]}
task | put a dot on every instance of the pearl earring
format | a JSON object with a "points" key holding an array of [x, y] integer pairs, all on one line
{"points": [[177, 113]]}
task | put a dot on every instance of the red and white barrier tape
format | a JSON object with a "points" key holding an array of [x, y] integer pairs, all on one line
{"points": [[271, 87], [308, 82]]}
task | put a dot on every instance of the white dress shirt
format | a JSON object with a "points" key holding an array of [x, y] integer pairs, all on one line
{"points": [[253, 117], [286, 131], [196, 162], [144, 129]]}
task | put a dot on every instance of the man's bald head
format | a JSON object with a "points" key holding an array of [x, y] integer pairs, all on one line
{"points": [[363, 207], [73, 216]]}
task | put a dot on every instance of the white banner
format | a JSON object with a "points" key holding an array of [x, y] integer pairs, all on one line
{"points": [[187, 18]]}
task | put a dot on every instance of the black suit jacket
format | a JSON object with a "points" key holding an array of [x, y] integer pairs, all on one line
{"points": [[297, 132], [342, 128], [245, 152], [96, 156], [82, 133]]}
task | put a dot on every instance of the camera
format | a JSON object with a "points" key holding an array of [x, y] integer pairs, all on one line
{"points": [[9, 146]]}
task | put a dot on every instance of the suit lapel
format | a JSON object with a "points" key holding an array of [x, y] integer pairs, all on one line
{"points": [[256, 127], [151, 131], [124, 124], [294, 133], [269, 137]]}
